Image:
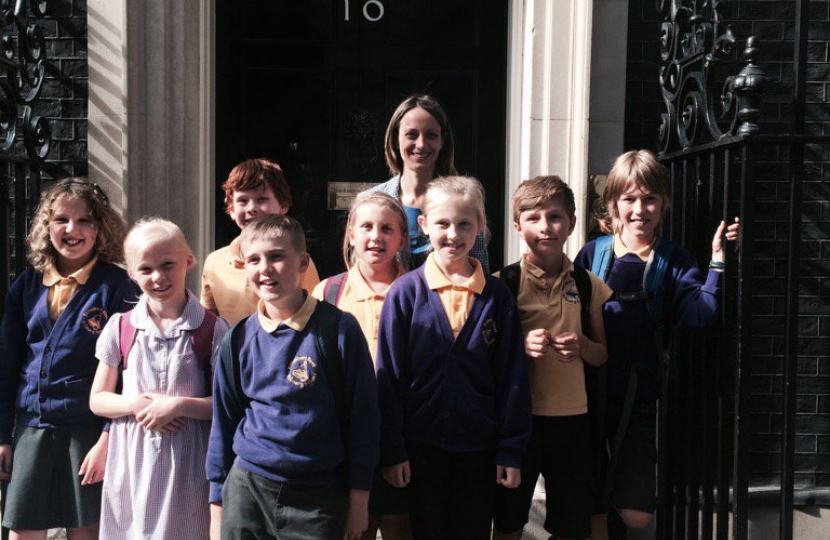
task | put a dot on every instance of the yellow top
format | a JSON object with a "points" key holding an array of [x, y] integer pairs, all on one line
{"points": [[620, 250], [296, 322], [557, 388], [359, 299], [456, 298], [61, 289], [225, 287]]}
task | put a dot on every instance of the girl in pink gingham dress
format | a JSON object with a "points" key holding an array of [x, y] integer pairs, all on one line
{"points": [[155, 485]]}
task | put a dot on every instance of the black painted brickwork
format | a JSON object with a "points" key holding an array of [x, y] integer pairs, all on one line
{"points": [[773, 22], [64, 95]]}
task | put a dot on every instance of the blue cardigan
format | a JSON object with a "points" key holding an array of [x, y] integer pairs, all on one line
{"points": [[461, 395], [46, 370], [689, 302]]}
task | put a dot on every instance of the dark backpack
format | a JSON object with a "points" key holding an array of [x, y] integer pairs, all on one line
{"points": [[202, 339]]}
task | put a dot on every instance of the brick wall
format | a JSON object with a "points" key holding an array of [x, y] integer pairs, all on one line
{"points": [[773, 22], [64, 95], [62, 102]]}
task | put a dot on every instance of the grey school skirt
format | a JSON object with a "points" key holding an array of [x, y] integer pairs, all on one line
{"points": [[45, 490]]}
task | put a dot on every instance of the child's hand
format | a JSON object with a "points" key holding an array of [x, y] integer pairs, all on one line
{"points": [[160, 415], [509, 477], [5, 461], [139, 404], [357, 518], [215, 521], [567, 346], [95, 462], [537, 343], [397, 475], [731, 234]]}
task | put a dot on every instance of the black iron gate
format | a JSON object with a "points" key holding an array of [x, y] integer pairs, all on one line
{"points": [[25, 137], [712, 139]]}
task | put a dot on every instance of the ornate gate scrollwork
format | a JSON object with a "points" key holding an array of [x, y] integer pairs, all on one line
{"points": [[23, 62], [699, 109]]}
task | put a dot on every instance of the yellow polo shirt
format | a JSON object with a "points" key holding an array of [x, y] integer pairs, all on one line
{"points": [[61, 289], [456, 298], [620, 250], [359, 299], [225, 286], [296, 322], [557, 388]]}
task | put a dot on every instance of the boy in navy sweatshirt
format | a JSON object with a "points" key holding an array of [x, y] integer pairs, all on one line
{"points": [[294, 440]]}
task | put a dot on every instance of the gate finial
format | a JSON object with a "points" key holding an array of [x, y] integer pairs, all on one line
{"points": [[749, 87]]}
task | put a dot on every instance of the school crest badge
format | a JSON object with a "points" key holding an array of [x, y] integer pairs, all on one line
{"points": [[489, 331], [302, 371], [94, 320], [569, 292]]}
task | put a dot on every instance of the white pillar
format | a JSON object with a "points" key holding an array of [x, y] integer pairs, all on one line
{"points": [[151, 111], [548, 123]]}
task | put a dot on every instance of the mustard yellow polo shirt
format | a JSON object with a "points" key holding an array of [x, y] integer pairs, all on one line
{"points": [[456, 298], [296, 322], [557, 388], [359, 299], [61, 289]]}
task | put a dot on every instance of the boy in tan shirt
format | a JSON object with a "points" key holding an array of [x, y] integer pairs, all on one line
{"points": [[550, 308]]}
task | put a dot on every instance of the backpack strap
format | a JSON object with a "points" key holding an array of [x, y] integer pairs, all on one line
{"points": [[229, 356], [326, 319], [585, 290], [126, 336], [654, 277], [511, 275], [202, 339], [603, 253], [327, 323], [333, 288]]}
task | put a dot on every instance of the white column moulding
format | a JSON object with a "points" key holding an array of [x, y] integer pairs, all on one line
{"points": [[551, 61]]}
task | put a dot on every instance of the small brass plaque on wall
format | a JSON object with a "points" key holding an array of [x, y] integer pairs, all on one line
{"points": [[341, 194]]}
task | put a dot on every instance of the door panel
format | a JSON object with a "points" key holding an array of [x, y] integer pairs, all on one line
{"points": [[300, 84]]}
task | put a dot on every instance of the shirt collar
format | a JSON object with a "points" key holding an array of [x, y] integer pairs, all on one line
{"points": [[535, 271], [51, 276], [437, 279], [360, 289], [190, 319], [620, 250], [296, 322]]}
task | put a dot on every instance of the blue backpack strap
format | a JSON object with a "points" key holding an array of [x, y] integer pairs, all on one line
{"points": [[326, 320], [603, 254], [326, 327], [229, 356], [333, 288], [654, 278]]}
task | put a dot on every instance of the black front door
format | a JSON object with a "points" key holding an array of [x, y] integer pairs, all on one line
{"points": [[311, 84]]}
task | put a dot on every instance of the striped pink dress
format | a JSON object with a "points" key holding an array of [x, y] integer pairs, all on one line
{"points": [[154, 485]]}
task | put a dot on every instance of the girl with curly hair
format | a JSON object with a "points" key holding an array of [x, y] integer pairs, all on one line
{"points": [[52, 448]]}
